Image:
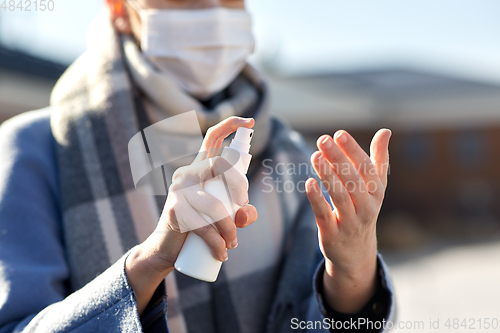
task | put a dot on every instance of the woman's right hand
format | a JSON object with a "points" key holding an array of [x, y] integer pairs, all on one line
{"points": [[187, 200], [150, 262]]}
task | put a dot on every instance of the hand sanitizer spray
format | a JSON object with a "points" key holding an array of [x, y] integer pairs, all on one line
{"points": [[196, 259]]}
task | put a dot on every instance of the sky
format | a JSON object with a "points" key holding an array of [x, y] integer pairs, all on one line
{"points": [[454, 37]]}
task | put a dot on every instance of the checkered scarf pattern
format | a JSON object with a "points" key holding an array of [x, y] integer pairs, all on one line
{"points": [[268, 278]]}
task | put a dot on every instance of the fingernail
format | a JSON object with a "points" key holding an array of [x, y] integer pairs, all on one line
{"points": [[224, 258], [326, 142], [310, 186], [246, 217], [234, 244], [341, 137]]}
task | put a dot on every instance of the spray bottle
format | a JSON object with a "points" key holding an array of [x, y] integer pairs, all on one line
{"points": [[195, 258]]}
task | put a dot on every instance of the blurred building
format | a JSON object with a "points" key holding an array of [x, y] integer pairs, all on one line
{"points": [[445, 149], [25, 82]]}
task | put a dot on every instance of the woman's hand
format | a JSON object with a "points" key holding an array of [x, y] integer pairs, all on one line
{"points": [[356, 184], [150, 262]]}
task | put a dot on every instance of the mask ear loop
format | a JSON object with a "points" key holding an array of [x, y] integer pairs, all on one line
{"points": [[136, 6], [142, 14]]}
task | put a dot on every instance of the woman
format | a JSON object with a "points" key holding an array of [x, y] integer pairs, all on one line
{"points": [[81, 248]]}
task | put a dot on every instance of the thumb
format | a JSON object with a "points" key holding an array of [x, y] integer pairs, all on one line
{"points": [[379, 153]]}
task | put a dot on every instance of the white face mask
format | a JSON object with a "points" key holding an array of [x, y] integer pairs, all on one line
{"points": [[203, 50]]}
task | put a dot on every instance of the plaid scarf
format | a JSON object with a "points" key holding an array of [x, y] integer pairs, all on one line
{"points": [[268, 277]]}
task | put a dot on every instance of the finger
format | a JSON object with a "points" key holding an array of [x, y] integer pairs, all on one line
{"points": [[214, 240], [186, 217], [217, 133], [341, 198], [197, 172], [322, 210], [360, 160], [207, 204], [379, 151], [201, 171], [245, 216], [345, 170], [189, 219]]}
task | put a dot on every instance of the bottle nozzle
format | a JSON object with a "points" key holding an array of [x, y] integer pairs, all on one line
{"points": [[244, 135], [242, 139]]}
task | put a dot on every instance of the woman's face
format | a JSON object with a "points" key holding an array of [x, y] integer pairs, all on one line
{"points": [[128, 21]]}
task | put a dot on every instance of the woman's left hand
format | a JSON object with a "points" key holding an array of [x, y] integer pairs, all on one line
{"points": [[356, 184]]}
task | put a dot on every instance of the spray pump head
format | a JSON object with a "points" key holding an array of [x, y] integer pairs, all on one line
{"points": [[242, 139]]}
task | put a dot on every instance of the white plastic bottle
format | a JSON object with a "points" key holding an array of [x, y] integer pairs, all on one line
{"points": [[196, 259]]}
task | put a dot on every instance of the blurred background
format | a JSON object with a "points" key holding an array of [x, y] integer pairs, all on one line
{"points": [[429, 70]]}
